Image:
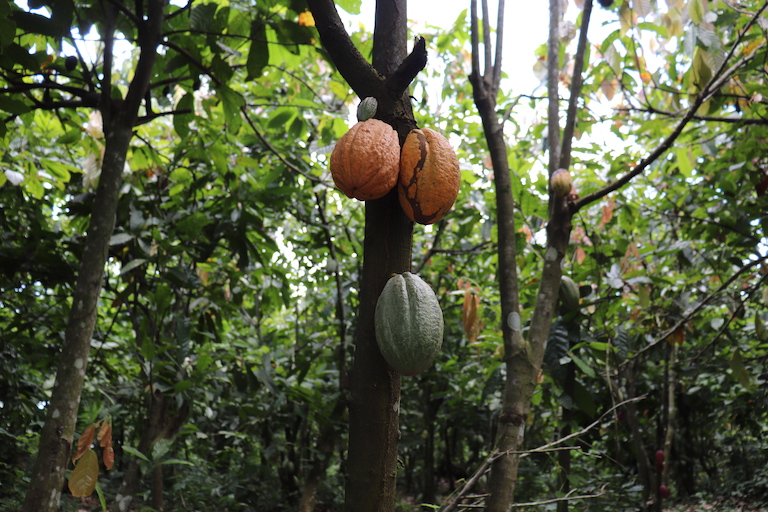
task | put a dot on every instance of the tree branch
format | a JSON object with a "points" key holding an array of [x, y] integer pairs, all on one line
{"points": [[356, 70], [714, 84], [692, 312], [576, 84], [499, 43], [485, 466], [280, 157], [553, 73], [399, 81]]}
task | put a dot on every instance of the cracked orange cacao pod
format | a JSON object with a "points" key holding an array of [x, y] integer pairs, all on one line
{"points": [[365, 161], [429, 176]]}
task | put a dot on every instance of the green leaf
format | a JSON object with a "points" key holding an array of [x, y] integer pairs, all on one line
{"points": [[160, 448], [136, 453], [132, 265], [182, 121], [83, 479], [583, 399], [231, 103], [583, 366], [13, 106], [258, 55], [177, 461], [740, 371], [72, 136]]}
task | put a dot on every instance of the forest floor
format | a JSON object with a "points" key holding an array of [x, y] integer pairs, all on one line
{"points": [[719, 505]]}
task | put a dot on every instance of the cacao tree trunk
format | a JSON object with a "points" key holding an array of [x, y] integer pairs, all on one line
{"points": [[371, 466], [52, 460]]}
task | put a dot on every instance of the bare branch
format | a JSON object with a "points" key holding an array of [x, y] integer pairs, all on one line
{"points": [[478, 81], [710, 119], [488, 49], [553, 72], [154, 115], [485, 466], [602, 492], [496, 79], [693, 311], [399, 81], [576, 84]]}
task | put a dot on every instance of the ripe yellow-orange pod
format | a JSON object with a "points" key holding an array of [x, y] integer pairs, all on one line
{"points": [[365, 161], [561, 182], [429, 176]]}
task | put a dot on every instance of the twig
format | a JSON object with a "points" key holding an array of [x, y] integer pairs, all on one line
{"points": [[541, 449], [564, 498], [690, 314], [730, 319], [277, 153]]}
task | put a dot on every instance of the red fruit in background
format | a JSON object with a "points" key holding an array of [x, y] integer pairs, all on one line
{"points": [[664, 491], [660, 457], [621, 416], [659, 467]]}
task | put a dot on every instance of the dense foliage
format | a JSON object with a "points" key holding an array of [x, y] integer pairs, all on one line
{"points": [[223, 341]]}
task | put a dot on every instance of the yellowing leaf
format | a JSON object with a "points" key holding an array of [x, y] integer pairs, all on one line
{"points": [[697, 9], [105, 434], [608, 209], [306, 19], [581, 255], [470, 317], [83, 479], [739, 370], [608, 88], [626, 18], [84, 443], [109, 457], [677, 337], [644, 296]]}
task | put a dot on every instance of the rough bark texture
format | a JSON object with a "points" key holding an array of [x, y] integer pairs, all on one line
{"points": [[511, 423], [523, 357], [371, 467], [52, 460], [643, 464]]}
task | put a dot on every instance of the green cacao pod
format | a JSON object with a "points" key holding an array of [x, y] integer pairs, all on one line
{"points": [[367, 108], [409, 324], [569, 295]]}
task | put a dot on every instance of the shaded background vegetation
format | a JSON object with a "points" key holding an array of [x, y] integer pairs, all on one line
{"points": [[224, 333]]}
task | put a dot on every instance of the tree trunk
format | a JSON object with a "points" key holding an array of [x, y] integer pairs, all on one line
{"points": [[154, 425], [375, 388], [371, 466], [643, 465], [523, 357], [56, 437], [157, 488], [564, 456]]}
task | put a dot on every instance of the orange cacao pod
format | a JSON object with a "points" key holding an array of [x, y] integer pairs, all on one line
{"points": [[365, 161], [429, 176]]}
